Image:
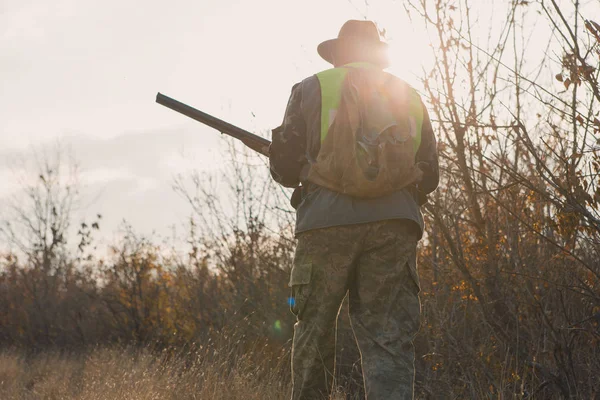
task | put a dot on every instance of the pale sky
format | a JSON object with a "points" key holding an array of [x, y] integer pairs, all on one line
{"points": [[86, 73]]}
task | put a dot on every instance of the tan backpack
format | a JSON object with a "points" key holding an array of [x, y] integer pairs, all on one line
{"points": [[369, 150]]}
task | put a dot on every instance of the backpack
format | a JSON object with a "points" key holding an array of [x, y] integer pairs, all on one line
{"points": [[369, 149]]}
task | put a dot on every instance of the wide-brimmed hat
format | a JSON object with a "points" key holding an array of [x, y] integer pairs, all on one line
{"points": [[357, 36]]}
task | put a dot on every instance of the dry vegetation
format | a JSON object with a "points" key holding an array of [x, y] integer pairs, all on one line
{"points": [[137, 374], [509, 266]]}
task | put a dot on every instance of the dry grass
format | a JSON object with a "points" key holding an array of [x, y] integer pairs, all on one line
{"points": [[138, 374]]}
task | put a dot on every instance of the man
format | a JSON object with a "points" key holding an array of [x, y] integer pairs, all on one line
{"points": [[357, 230]]}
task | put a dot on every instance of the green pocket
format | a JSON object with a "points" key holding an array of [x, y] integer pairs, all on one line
{"points": [[300, 284], [414, 273], [300, 274]]}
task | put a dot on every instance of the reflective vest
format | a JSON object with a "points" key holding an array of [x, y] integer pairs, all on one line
{"points": [[331, 81], [370, 132]]}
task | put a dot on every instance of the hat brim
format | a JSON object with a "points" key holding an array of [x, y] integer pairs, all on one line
{"points": [[375, 52]]}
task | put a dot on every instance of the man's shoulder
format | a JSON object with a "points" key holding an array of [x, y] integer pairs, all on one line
{"points": [[311, 84], [400, 82], [306, 88], [314, 78], [308, 81]]}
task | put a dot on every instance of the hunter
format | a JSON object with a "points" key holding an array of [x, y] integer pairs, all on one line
{"points": [[357, 144]]}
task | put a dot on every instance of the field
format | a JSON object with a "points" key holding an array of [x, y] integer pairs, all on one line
{"points": [[128, 373], [508, 265]]}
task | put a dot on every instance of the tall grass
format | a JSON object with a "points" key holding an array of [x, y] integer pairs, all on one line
{"points": [[141, 374]]}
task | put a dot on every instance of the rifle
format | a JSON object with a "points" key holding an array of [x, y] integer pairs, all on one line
{"points": [[255, 142]]}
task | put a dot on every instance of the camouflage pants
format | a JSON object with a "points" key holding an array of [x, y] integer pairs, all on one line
{"points": [[376, 264]]}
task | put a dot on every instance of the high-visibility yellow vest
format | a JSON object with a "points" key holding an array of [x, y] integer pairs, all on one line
{"points": [[370, 132], [331, 82]]}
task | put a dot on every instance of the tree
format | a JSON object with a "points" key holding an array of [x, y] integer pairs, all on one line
{"points": [[46, 294], [513, 248]]}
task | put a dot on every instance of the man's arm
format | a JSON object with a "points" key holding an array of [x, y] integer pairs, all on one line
{"points": [[427, 157], [287, 152]]}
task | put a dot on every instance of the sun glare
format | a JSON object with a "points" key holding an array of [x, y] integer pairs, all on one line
{"points": [[409, 48]]}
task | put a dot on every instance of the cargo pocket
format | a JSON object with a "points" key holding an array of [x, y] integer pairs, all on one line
{"points": [[412, 266], [300, 284]]}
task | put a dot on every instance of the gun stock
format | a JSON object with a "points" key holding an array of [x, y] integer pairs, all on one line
{"points": [[255, 142]]}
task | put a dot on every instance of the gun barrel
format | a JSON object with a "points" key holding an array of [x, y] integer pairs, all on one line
{"points": [[256, 142]]}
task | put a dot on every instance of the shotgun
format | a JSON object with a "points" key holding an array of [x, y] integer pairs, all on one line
{"points": [[255, 142]]}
